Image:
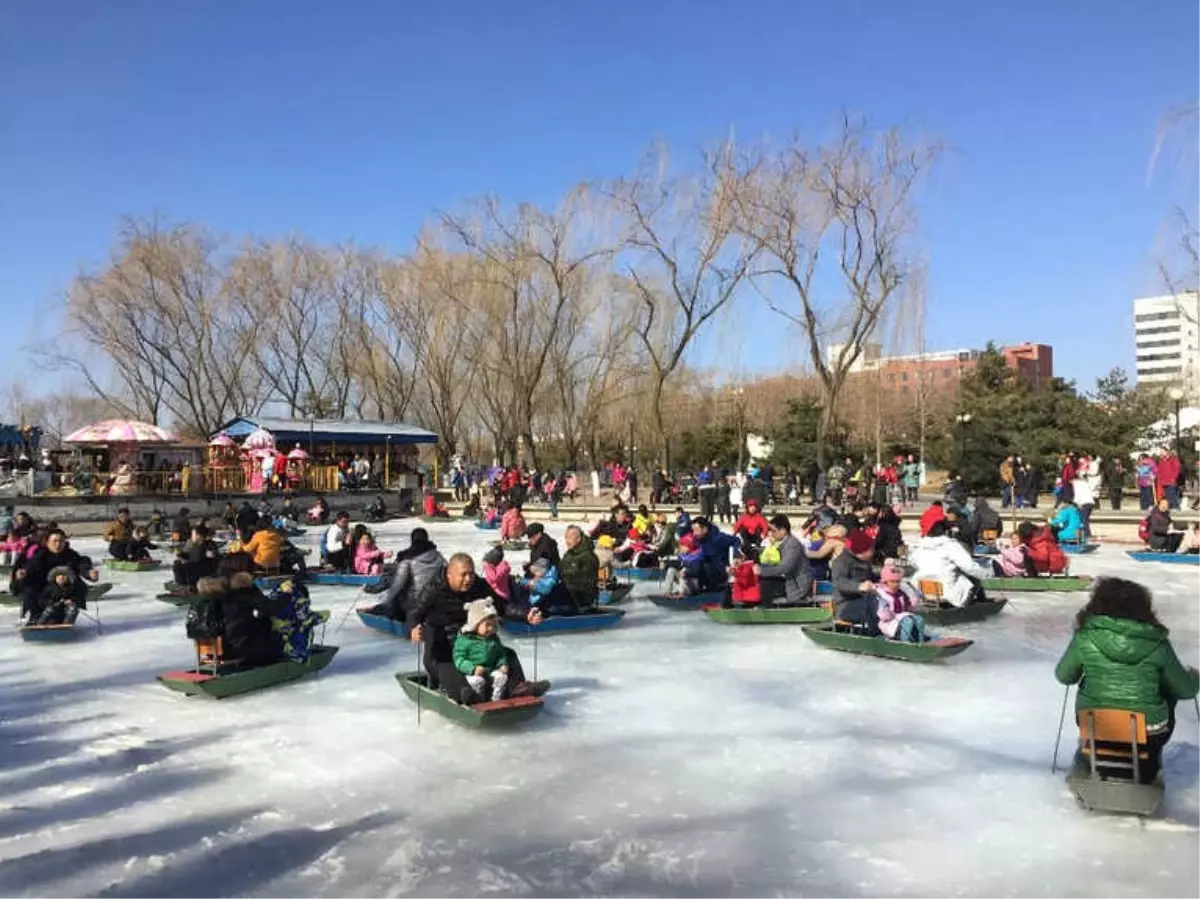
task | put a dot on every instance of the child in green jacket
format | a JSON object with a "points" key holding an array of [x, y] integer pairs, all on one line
{"points": [[479, 654]]}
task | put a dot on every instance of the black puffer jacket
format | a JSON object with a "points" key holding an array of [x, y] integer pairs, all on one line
{"points": [[246, 623], [847, 572]]}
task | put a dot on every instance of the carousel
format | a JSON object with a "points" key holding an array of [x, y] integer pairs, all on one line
{"points": [[224, 465], [259, 460], [115, 447]]}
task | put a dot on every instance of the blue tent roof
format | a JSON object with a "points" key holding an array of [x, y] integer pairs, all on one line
{"points": [[330, 430]]}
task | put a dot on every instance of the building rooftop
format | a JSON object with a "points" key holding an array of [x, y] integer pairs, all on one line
{"points": [[328, 430]]}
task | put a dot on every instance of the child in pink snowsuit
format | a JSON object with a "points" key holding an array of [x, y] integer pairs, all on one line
{"points": [[512, 525], [896, 618], [11, 549], [497, 573], [367, 558]]}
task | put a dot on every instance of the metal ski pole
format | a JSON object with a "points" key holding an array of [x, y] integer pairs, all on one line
{"points": [[345, 615], [535, 654], [419, 684], [1061, 716]]}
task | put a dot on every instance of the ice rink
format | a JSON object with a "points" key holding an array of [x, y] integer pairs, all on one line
{"points": [[675, 757]]}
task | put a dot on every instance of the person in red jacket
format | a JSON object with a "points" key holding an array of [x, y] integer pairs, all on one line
{"points": [[745, 589], [1169, 470], [933, 514], [751, 526], [1042, 549]]}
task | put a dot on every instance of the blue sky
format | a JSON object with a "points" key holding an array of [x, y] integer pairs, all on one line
{"points": [[355, 120]]}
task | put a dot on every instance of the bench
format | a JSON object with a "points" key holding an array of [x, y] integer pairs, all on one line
{"points": [[989, 535]]}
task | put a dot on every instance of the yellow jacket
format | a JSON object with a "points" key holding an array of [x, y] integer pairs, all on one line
{"points": [[266, 547], [118, 530]]}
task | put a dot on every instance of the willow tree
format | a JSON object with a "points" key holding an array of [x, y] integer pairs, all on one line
{"points": [[683, 257], [829, 226]]}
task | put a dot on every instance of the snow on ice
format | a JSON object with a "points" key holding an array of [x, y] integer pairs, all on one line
{"points": [[675, 757]]}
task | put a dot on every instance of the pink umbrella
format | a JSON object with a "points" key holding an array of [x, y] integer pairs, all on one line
{"points": [[118, 431], [297, 453], [222, 439]]}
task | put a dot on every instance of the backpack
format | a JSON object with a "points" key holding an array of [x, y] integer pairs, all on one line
{"points": [[1144, 529], [204, 620]]}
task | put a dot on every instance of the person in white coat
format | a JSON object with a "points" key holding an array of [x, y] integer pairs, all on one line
{"points": [[1085, 499], [939, 557]]}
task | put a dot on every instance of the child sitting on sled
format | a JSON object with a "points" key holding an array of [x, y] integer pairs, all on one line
{"points": [[138, 549], [368, 558], [480, 656], [1014, 558], [685, 580], [293, 620], [498, 573], [12, 548], [896, 603], [58, 598], [491, 515]]}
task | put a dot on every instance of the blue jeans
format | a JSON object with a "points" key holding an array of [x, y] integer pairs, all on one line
{"points": [[1171, 492], [552, 501], [1006, 496], [1146, 497]]}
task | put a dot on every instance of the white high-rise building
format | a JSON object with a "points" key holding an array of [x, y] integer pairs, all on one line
{"points": [[1168, 341]]}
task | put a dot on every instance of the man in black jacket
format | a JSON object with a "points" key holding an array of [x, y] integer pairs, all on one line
{"points": [[246, 520], [55, 554], [541, 545], [437, 618], [1160, 525]]}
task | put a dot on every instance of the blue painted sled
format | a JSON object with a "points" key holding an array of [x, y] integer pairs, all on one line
{"points": [[337, 579], [383, 624], [823, 588], [639, 574], [565, 624], [616, 595], [1168, 558], [48, 633], [1078, 549], [484, 526]]}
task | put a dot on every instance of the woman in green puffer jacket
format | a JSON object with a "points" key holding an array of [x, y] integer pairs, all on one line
{"points": [[1121, 658]]}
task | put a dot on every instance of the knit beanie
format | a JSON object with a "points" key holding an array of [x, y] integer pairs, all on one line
{"points": [[860, 542], [494, 556], [478, 611], [891, 572], [61, 570], [541, 566]]}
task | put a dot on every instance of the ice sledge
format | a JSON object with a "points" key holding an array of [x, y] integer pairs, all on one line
{"points": [[1166, 558], [121, 565], [484, 526], [639, 574], [612, 597], [1047, 584], [986, 550], [432, 519], [834, 635], [383, 624], [770, 615], [685, 603], [218, 677], [511, 545], [48, 633], [340, 579], [1078, 549], [482, 715], [594, 619], [1108, 777], [269, 582], [95, 591], [823, 588]]}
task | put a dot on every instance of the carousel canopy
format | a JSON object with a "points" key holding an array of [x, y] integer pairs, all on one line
{"points": [[119, 431], [297, 453], [333, 430], [222, 439], [259, 439]]}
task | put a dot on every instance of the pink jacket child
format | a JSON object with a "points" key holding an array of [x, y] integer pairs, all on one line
{"points": [[11, 549], [1012, 558], [512, 525], [896, 603], [497, 573], [368, 559]]}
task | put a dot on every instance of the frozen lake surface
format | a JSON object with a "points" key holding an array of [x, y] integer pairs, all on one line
{"points": [[675, 757]]}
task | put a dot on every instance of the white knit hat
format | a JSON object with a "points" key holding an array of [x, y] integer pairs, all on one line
{"points": [[478, 611]]}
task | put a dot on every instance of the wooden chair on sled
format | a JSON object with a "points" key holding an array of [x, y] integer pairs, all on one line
{"points": [[210, 656], [933, 592], [989, 535], [1111, 776]]}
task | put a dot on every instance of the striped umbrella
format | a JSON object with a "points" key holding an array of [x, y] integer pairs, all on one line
{"points": [[118, 431], [222, 439], [260, 439]]}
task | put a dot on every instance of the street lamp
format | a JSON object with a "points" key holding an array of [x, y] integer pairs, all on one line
{"points": [[1176, 394], [963, 419], [739, 393]]}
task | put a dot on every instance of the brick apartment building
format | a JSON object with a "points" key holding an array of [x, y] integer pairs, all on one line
{"points": [[943, 370]]}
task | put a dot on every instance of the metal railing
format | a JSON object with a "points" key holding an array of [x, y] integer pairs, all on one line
{"points": [[192, 480]]}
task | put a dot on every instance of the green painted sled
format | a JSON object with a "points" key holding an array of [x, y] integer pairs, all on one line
{"points": [[776, 615], [95, 591], [968, 614], [511, 545], [232, 680], [825, 635], [1038, 584], [119, 565], [483, 715]]}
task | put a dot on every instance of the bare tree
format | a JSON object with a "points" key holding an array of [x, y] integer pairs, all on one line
{"points": [[683, 257], [167, 341], [850, 202], [534, 264]]}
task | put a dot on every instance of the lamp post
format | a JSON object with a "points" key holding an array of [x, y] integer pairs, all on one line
{"points": [[963, 419], [1176, 395], [739, 394]]}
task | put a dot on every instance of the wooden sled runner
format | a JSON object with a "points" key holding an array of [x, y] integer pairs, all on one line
{"points": [[483, 715], [1048, 584], [383, 624], [219, 677], [770, 615], [835, 635], [1109, 777]]}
